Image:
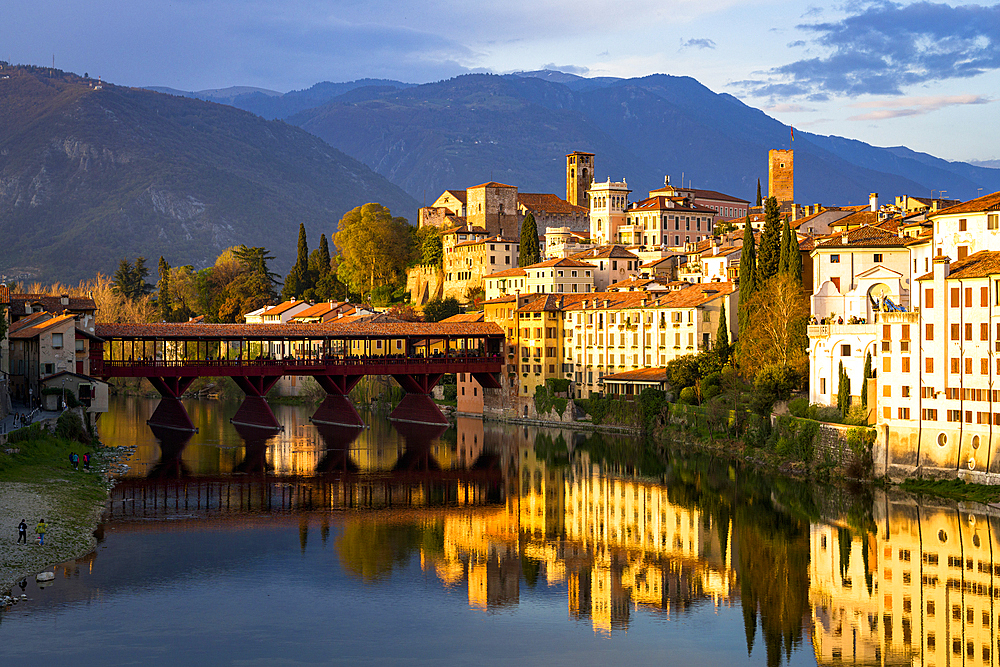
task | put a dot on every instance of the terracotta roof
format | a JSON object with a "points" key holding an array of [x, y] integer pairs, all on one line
{"points": [[41, 327], [977, 265], [549, 203], [978, 205], [28, 321], [605, 252], [465, 317], [319, 310], [335, 328], [52, 304], [285, 306], [864, 236], [490, 184], [563, 262], [508, 273], [640, 375], [689, 297], [502, 299], [660, 203]]}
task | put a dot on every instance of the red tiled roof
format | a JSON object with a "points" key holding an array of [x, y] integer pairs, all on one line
{"points": [[560, 262], [28, 321], [334, 328], [689, 297], [51, 303], [284, 307], [490, 184], [41, 327], [548, 203], [977, 265], [660, 203], [979, 205], [508, 273], [605, 252], [465, 317], [864, 236]]}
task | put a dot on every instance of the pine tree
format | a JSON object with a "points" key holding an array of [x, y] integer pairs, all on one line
{"points": [[748, 276], [163, 297], [529, 252], [768, 255], [759, 200]]}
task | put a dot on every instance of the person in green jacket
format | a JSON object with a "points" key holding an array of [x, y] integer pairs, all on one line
{"points": [[40, 529]]}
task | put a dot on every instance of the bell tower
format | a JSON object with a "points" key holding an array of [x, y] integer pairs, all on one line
{"points": [[579, 174]]}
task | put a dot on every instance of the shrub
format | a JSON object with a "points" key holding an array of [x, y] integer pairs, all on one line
{"points": [[857, 415], [796, 438], [860, 440], [450, 392], [688, 396], [799, 407], [777, 380], [70, 427]]}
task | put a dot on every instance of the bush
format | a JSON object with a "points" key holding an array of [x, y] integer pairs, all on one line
{"points": [[558, 385], [796, 438], [651, 402], [70, 427], [776, 380], [688, 396], [799, 407], [857, 415], [860, 440], [450, 392]]}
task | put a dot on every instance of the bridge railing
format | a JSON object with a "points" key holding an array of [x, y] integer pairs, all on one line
{"points": [[303, 362]]}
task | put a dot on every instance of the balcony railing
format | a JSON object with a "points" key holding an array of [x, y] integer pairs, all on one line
{"points": [[825, 330], [897, 318]]}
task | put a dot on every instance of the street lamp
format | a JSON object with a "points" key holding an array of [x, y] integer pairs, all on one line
{"points": [[63, 406]]}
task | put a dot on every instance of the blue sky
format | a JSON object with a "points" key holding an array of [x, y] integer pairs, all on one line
{"points": [[925, 74]]}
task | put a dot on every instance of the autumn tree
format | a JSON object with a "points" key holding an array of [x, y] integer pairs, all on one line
{"points": [[775, 333], [529, 252], [374, 247], [252, 286]]}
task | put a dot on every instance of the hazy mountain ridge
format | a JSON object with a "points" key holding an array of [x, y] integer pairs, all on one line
{"points": [[90, 176], [641, 129]]}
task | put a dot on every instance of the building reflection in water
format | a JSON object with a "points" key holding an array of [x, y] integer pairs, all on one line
{"points": [[921, 589]]}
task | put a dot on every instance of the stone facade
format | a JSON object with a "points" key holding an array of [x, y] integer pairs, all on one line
{"points": [[579, 174], [780, 175]]}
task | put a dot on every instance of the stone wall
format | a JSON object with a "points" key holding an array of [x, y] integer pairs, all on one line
{"points": [[499, 404], [424, 283]]}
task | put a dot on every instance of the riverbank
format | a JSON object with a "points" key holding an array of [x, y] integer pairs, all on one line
{"points": [[38, 482]]}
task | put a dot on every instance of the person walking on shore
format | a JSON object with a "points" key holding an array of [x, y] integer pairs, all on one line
{"points": [[86, 461], [22, 532], [40, 529]]}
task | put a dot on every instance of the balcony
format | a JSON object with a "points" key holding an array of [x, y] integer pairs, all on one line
{"points": [[826, 330], [897, 318]]}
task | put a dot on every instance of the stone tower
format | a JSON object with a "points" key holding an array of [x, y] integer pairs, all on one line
{"points": [[579, 174], [780, 176]]}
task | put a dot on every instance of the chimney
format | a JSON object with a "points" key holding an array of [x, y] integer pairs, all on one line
{"points": [[843, 238], [873, 202], [64, 299]]}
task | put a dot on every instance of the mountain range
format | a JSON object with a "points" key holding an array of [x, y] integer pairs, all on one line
{"points": [[517, 128], [93, 173]]}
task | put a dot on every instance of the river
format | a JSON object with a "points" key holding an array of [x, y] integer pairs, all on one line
{"points": [[494, 544]]}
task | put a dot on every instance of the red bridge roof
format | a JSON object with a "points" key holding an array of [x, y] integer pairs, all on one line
{"points": [[332, 329]]}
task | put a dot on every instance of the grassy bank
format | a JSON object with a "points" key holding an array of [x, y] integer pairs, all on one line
{"points": [[954, 489], [36, 482]]}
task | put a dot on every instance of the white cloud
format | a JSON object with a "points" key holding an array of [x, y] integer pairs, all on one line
{"points": [[913, 106]]}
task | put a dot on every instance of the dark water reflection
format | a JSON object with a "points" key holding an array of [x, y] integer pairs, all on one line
{"points": [[495, 544]]}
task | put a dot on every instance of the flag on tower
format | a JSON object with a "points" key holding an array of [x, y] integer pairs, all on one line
{"points": [[792, 129]]}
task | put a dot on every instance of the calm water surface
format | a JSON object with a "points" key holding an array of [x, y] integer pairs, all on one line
{"points": [[488, 544]]}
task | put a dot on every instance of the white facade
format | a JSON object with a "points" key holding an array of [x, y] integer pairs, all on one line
{"points": [[608, 203]]}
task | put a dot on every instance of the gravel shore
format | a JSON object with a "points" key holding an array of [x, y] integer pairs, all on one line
{"points": [[70, 527]]}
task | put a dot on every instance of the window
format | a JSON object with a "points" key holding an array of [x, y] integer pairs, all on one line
{"points": [[904, 413], [956, 365], [845, 350], [822, 385], [906, 391], [968, 331], [968, 365], [835, 259], [79, 346], [963, 252], [984, 366], [928, 332], [886, 391], [955, 332], [984, 331], [993, 221], [886, 364], [955, 297], [906, 364], [928, 298], [877, 257], [57, 340], [963, 225]]}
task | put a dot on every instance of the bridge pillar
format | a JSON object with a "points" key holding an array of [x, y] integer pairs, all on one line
{"points": [[337, 457], [254, 411], [417, 406], [254, 448], [336, 409], [172, 443], [170, 413]]}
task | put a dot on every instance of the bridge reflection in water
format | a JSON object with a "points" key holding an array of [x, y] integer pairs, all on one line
{"points": [[878, 579]]}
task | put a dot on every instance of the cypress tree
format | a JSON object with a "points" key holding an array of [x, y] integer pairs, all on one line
{"points": [[759, 200], [324, 257], [748, 276], [303, 258], [770, 242], [297, 280], [163, 297], [529, 253], [864, 385], [794, 260], [722, 336]]}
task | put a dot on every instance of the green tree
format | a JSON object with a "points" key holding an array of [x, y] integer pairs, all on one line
{"points": [[130, 279], [722, 337], [242, 282], [759, 200], [864, 385], [843, 391], [375, 249], [163, 301], [436, 310], [768, 255], [431, 249], [299, 278], [319, 260], [748, 276], [529, 252], [791, 259], [683, 372]]}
